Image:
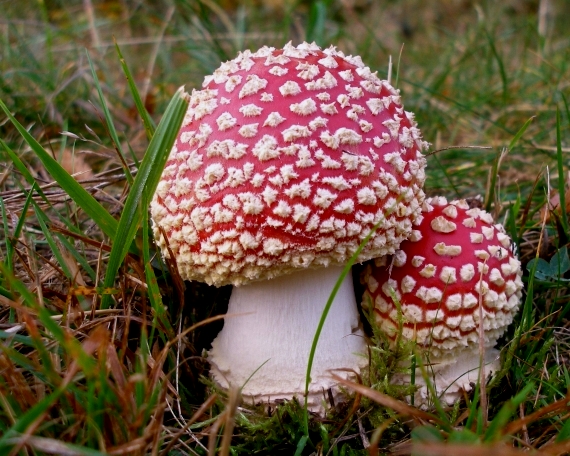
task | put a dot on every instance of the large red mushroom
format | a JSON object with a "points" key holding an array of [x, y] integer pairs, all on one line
{"points": [[457, 269], [286, 160]]}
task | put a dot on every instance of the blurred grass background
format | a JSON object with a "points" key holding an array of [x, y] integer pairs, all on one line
{"points": [[474, 73]]}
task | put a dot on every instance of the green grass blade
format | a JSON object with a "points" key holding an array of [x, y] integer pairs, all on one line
{"points": [[109, 120], [154, 296], [148, 123], [519, 133], [81, 196], [502, 418], [144, 185]]}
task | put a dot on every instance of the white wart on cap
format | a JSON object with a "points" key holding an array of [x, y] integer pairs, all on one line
{"points": [[286, 160], [456, 260]]}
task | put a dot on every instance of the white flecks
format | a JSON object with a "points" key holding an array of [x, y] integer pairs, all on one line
{"points": [[442, 225], [252, 203], [266, 148], [448, 275], [324, 198], [408, 284], [481, 254], [278, 70], [365, 126], [379, 142], [346, 75], [257, 180], [393, 125], [486, 217], [337, 182], [450, 211], [266, 97], [248, 241], [504, 240], [307, 71], [194, 161], [329, 108], [227, 149], [429, 295], [326, 161], [370, 86], [290, 88], [416, 236], [225, 121], [366, 196], [273, 119], [213, 173], [354, 92], [375, 105], [345, 207], [329, 62], [469, 222], [304, 108], [250, 110], [295, 132], [318, 122], [399, 258], [447, 250], [348, 136], [329, 140], [467, 272], [324, 96], [328, 81], [482, 268], [282, 209], [269, 195], [288, 173], [413, 313], [300, 213], [428, 271], [488, 232], [252, 85], [418, 260], [232, 82], [273, 246], [453, 302], [305, 160], [476, 238], [224, 101], [249, 130], [302, 190], [205, 107], [496, 277], [343, 100]]}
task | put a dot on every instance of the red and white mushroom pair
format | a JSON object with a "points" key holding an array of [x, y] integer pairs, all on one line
{"points": [[287, 159]]}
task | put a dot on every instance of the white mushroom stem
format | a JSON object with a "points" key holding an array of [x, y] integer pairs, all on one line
{"points": [[269, 330], [452, 377]]}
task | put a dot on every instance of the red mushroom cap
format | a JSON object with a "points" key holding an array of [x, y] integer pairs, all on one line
{"points": [[456, 257], [286, 160]]}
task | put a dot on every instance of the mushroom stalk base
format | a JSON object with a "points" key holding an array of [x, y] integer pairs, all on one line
{"points": [[451, 378], [268, 332]]}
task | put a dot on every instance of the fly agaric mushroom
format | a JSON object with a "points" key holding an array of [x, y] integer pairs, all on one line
{"points": [[285, 162], [456, 267]]}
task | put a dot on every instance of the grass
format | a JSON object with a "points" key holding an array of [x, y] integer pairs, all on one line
{"points": [[101, 342]]}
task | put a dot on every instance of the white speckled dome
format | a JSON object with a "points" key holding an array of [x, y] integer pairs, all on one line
{"points": [[432, 286], [286, 160]]}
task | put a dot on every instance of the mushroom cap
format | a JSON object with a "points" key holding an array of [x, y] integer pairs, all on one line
{"points": [[455, 258], [286, 160]]}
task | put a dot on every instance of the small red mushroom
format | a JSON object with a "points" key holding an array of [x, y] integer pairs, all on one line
{"points": [[286, 160], [456, 267]]}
